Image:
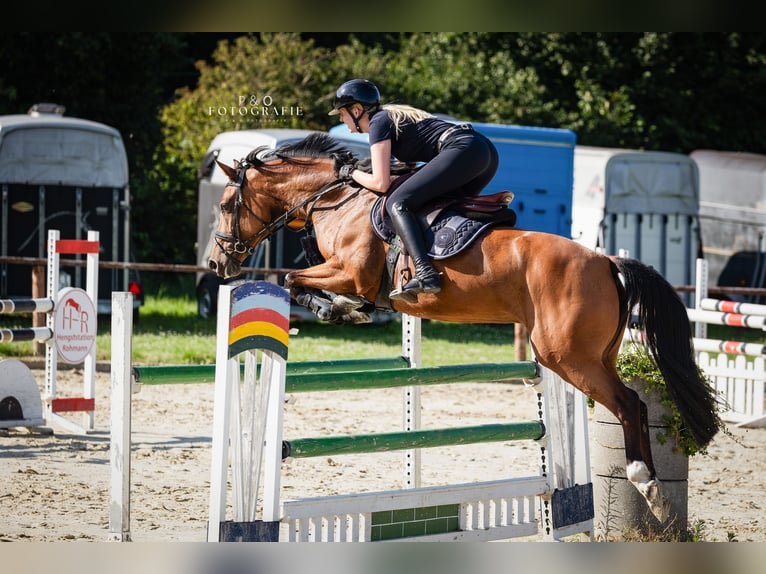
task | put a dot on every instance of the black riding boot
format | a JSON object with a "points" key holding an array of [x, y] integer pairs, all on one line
{"points": [[426, 278]]}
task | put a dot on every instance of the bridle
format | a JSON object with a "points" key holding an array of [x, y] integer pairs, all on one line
{"points": [[249, 244]]}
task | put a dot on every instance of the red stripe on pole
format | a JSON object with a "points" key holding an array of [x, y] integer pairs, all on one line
{"points": [[732, 347], [734, 320], [73, 404], [76, 246], [728, 306]]}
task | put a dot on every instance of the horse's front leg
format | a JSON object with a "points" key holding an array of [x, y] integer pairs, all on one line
{"points": [[338, 309], [311, 299], [328, 276], [316, 288]]}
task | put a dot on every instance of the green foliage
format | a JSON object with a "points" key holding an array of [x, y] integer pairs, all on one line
{"points": [[634, 362], [280, 80], [664, 91]]}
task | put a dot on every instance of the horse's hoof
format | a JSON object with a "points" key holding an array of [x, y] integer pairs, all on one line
{"points": [[650, 488], [323, 314], [358, 318], [345, 304], [353, 318], [658, 504]]}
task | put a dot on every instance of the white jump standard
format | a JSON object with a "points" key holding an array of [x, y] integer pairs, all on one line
{"points": [[69, 335]]}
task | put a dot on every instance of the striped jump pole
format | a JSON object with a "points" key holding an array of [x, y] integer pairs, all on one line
{"points": [[27, 334], [11, 306], [730, 319], [732, 307], [739, 381], [729, 347], [8, 306]]}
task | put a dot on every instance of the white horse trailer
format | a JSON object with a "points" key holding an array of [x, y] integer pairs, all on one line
{"points": [[733, 216], [645, 203]]}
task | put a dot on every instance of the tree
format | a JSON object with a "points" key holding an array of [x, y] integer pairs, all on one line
{"points": [[253, 82]]}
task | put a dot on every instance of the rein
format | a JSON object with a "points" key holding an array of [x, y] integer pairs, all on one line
{"points": [[269, 228]]}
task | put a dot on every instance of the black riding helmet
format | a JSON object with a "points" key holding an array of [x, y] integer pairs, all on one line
{"points": [[357, 91]]}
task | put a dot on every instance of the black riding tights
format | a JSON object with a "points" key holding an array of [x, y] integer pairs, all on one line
{"points": [[464, 166]]}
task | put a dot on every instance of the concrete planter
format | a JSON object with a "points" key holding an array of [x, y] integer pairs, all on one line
{"points": [[618, 506]]}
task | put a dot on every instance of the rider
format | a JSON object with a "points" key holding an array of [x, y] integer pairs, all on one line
{"points": [[458, 160]]}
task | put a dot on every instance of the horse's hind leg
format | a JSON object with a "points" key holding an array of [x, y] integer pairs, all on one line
{"points": [[641, 471], [631, 412], [602, 383]]}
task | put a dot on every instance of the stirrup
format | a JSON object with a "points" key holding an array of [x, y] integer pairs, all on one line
{"points": [[416, 286]]}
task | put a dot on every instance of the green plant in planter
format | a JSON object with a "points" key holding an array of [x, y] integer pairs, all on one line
{"points": [[634, 362]]}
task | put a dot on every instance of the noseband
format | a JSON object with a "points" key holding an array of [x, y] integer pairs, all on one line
{"points": [[240, 246], [249, 245]]}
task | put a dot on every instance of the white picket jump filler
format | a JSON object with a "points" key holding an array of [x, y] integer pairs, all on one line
{"points": [[69, 334], [487, 511]]}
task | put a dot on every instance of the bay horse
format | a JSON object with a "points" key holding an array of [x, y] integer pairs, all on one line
{"points": [[574, 302]]}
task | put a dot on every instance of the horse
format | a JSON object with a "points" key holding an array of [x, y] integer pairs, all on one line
{"points": [[574, 302]]}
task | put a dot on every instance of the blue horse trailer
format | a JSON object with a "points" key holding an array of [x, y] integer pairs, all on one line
{"points": [[537, 164]]}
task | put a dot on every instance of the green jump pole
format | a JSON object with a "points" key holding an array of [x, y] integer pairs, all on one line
{"points": [[182, 374], [384, 442], [356, 380]]}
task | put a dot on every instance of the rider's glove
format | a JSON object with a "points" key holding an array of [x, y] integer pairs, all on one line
{"points": [[344, 172]]}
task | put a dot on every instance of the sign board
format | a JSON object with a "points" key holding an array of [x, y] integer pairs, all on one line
{"points": [[75, 325]]}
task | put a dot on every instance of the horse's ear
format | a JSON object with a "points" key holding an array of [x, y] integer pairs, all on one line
{"points": [[230, 172]]}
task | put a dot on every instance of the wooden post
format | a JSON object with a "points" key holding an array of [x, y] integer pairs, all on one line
{"points": [[520, 342], [38, 292]]}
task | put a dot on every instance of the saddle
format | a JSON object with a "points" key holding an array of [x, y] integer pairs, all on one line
{"points": [[452, 224]]}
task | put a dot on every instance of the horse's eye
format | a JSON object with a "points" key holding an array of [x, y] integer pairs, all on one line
{"points": [[226, 207]]}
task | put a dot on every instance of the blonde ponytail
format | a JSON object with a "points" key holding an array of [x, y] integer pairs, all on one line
{"points": [[401, 112]]}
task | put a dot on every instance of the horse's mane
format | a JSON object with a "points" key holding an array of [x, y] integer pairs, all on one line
{"points": [[316, 145]]}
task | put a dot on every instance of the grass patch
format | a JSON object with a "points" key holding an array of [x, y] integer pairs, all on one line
{"points": [[169, 331]]}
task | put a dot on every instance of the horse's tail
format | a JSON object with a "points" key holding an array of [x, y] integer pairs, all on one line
{"points": [[668, 335]]}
